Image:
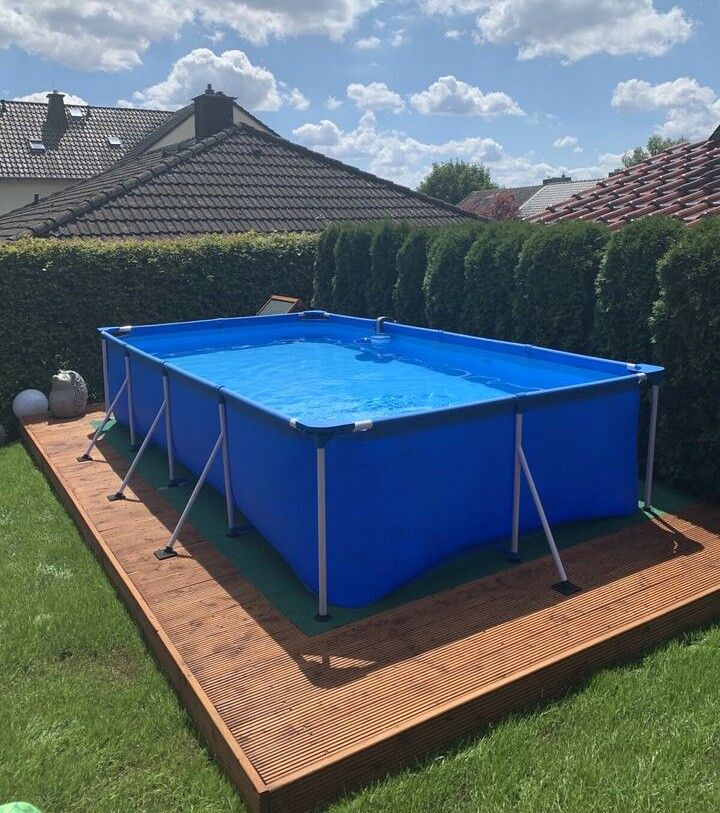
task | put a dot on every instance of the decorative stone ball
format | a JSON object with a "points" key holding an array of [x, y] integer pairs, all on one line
{"points": [[69, 395], [28, 403]]}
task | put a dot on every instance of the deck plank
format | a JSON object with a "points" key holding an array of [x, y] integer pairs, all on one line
{"points": [[294, 719]]}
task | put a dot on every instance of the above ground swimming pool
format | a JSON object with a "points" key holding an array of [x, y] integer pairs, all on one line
{"points": [[368, 452]]}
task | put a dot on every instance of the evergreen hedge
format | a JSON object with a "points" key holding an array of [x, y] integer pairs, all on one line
{"points": [[55, 293], [386, 240], [686, 327], [408, 294], [352, 270], [444, 283], [627, 287], [324, 269], [490, 279], [555, 286]]}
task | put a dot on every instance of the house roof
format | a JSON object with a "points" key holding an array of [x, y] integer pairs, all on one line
{"points": [[682, 181], [240, 179], [80, 150], [475, 201], [551, 194]]}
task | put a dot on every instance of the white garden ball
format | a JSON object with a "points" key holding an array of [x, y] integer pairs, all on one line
{"points": [[28, 403]]}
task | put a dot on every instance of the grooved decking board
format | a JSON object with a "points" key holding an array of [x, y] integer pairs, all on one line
{"points": [[295, 720]]}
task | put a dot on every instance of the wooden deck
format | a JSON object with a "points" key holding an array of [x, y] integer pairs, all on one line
{"points": [[295, 720]]}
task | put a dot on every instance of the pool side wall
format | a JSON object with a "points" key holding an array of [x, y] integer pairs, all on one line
{"points": [[405, 495]]}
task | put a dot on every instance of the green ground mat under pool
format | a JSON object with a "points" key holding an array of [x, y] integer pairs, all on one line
{"points": [[260, 564]]}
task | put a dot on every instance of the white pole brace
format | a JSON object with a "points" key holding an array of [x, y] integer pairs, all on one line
{"points": [[120, 493], [564, 586], [99, 430], [169, 549]]}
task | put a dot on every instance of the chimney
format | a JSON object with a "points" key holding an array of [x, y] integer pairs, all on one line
{"points": [[558, 179], [213, 112], [56, 118]]}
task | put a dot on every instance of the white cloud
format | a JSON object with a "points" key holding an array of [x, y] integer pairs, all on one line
{"points": [[294, 97], [565, 141], [395, 155], [691, 110], [326, 134], [231, 72], [399, 38], [375, 96], [451, 96], [368, 43], [573, 29], [93, 35], [41, 96], [453, 34], [332, 103]]}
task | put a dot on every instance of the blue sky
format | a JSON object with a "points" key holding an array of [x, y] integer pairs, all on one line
{"points": [[527, 87]]}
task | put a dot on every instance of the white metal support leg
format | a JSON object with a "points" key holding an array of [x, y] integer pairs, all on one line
{"points": [[106, 389], [233, 529], [173, 479], [131, 415], [86, 454], [169, 549], [564, 586], [120, 493], [651, 447], [514, 555], [322, 613]]}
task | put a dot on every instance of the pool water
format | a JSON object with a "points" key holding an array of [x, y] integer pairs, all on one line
{"points": [[322, 381]]}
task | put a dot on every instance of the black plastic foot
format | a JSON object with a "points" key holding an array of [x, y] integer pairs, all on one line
{"points": [[325, 617], [177, 481], [83, 458], [566, 588], [118, 495], [514, 558], [164, 553]]}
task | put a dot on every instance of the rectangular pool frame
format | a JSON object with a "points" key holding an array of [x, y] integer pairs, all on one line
{"points": [[635, 375]]}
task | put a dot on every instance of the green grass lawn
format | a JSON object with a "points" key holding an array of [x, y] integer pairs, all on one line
{"points": [[87, 723]]}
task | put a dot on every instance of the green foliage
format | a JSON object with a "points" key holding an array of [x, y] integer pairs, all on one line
{"points": [[444, 283], [452, 181], [55, 293], [490, 279], [555, 285], [386, 241], [88, 721], [408, 294], [324, 269], [655, 145], [686, 324], [352, 270], [626, 287]]}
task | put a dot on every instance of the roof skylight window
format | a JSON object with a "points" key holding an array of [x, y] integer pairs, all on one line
{"points": [[37, 146], [76, 113], [114, 141]]}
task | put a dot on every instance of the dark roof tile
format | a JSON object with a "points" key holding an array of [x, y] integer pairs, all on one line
{"points": [[239, 180]]}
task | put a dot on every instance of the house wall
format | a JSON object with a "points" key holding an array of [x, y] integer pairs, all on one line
{"points": [[16, 192], [187, 129]]}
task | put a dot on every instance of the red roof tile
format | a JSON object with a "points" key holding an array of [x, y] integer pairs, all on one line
{"points": [[683, 181]]}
